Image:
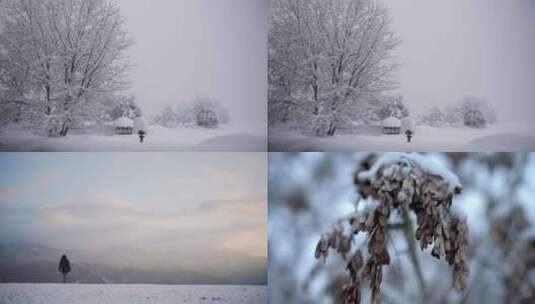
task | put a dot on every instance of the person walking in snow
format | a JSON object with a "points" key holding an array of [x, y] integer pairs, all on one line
{"points": [[141, 134], [409, 135], [64, 267]]}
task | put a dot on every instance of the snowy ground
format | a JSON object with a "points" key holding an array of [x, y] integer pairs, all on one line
{"points": [[132, 294], [243, 137], [501, 137]]}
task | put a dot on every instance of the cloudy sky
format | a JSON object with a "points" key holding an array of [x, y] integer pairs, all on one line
{"points": [[455, 48], [189, 208], [189, 48]]}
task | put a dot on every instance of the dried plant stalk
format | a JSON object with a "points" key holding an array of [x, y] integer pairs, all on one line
{"points": [[400, 182]]}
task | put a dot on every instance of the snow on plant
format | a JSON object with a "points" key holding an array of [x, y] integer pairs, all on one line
{"points": [[403, 183]]}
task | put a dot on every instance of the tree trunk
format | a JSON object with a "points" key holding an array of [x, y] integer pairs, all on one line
{"points": [[57, 127], [324, 125], [64, 129]]}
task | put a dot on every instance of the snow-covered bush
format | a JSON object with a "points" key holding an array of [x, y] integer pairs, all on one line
{"points": [[125, 107], [476, 112], [469, 111], [167, 118], [207, 119], [392, 107], [435, 118], [475, 118], [202, 112]]}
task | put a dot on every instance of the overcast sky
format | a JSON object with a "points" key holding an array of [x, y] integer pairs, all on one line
{"points": [[198, 206], [456, 47], [189, 48]]}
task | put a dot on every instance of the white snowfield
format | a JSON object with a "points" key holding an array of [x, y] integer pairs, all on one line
{"points": [[243, 137], [129, 293], [500, 137]]}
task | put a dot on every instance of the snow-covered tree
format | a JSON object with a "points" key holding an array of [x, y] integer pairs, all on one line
{"points": [[469, 111], [392, 107], [211, 105], [168, 118], [476, 112], [202, 111], [63, 58], [127, 107], [325, 58], [435, 118]]}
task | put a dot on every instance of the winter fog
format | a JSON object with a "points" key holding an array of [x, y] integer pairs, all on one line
{"points": [[192, 48], [134, 218], [455, 48]]}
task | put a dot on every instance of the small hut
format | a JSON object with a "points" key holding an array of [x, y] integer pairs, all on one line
{"points": [[391, 125], [207, 119], [124, 126]]}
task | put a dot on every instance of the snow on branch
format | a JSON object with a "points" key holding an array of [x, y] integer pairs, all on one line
{"points": [[403, 183]]}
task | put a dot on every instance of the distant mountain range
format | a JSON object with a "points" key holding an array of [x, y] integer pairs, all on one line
{"points": [[35, 263]]}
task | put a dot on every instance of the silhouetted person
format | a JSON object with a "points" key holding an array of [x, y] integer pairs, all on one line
{"points": [[64, 267], [141, 134], [409, 135]]}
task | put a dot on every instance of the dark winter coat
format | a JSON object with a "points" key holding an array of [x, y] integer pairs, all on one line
{"points": [[64, 265]]}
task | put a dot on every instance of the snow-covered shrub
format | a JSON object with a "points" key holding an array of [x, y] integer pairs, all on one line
{"points": [[211, 110], [207, 119], [435, 118], [469, 111], [392, 107], [475, 112], [402, 183], [202, 112], [140, 124], [408, 124], [475, 118], [168, 118], [125, 107]]}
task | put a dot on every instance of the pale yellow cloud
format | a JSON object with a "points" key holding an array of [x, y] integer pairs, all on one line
{"points": [[232, 226], [8, 194], [251, 240], [64, 217]]}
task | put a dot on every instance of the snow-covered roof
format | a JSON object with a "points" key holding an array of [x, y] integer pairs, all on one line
{"points": [[124, 122], [391, 122]]}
